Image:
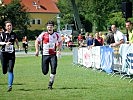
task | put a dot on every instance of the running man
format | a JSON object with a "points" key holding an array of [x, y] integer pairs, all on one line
{"points": [[8, 52], [51, 42]]}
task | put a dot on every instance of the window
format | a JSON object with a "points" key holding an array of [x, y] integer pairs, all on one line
{"points": [[33, 21], [36, 21]]}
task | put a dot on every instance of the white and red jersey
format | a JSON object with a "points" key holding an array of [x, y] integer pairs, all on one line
{"points": [[49, 42]]}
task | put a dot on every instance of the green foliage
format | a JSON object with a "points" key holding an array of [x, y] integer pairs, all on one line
{"points": [[131, 19], [16, 13], [29, 33], [66, 16], [116, 18], [97, 12]]}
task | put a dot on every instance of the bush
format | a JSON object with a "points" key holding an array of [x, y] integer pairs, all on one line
{"points": [[31, 34]]}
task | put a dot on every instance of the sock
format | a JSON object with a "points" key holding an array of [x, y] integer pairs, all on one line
{"points": [[52, 77], [10, 78]]}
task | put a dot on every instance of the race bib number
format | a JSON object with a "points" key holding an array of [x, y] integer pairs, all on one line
{"points": [[51, 45], [48, 47], [9, 48]]}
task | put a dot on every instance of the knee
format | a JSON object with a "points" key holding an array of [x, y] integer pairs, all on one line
{"points": [[4, 72], [44, 72], [10, 70], [53, 72]]}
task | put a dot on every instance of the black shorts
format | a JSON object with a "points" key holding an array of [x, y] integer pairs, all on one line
{"points": [[7, 62], [24, 45], [49, 59]]}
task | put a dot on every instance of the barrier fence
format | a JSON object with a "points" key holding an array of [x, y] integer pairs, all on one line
{"points": [[111, 60]]}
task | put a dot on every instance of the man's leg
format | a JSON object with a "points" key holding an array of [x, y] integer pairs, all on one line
{"points": [[4, 63], [53, 63], [45, 64], [10, 73], [51, 81], [10, 80]]}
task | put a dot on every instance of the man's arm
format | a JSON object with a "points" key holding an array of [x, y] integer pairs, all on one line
{"points": [[118, 43], [37, 47], [59, 45], [2, 43], [59, 42], [17, 43]]}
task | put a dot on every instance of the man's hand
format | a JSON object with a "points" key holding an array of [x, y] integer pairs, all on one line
{"points": [[37, 53], [8, 43]]}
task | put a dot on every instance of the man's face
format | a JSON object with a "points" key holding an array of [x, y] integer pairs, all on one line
{"points": [[113, 27], [128, 25], [8, 27], [50, 28]]}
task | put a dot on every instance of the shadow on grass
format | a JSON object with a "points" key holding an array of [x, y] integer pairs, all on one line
{"points": [[31, 89], [63, 88], [13, 84], [18, 84], [56, 88], [72, 88], [3, 83]]}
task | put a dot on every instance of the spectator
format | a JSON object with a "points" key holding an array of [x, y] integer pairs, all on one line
{"points": [[118, 36], [98, 40], [110, 37], [101, 35], [90, 40], [86, 35], [80, 39], [129, 27], [63, 41], [25, 43]]}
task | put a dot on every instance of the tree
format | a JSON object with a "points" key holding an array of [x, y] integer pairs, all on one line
{"points": [[16, 13], [116, 18], [95, 11]]}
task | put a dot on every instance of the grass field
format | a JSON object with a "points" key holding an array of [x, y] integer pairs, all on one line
{"points": [[71, 83]]}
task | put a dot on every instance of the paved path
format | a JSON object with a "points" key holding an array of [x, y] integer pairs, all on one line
{"points": [[23, 54]]}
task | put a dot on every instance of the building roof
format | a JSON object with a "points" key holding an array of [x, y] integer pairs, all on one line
{"points": [[35, 6]]}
